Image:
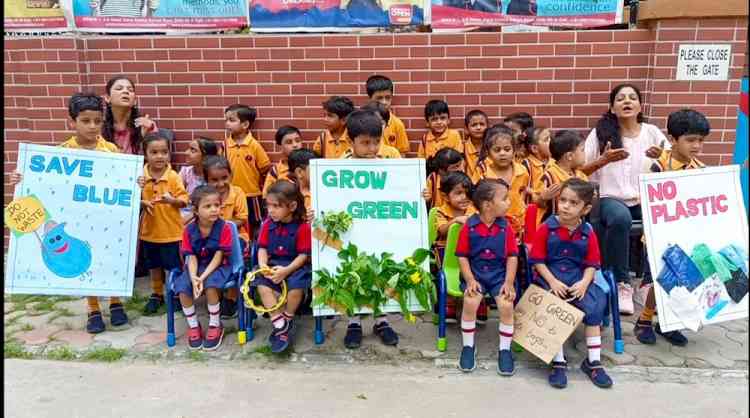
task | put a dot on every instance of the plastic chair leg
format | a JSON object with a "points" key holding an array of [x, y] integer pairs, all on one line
{"points": [[619, 346], [249, 319], [171, 340], [241, 332], [319, 335], [442, 342]]}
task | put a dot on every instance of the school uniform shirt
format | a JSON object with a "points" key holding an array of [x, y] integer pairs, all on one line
{"points": [[101, 145], [284, 242], [517, 192], [433, 185], [565, 253], [165, 224], [249, 163], [234, 208], [431, 145], [279, 171], [385, 152], [471, 156], [487, 248], [536, 168], [394, 134], [665, 162], [330, 147], [445, 216], [204, 248]]}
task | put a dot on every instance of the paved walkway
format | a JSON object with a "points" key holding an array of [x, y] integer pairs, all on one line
{"points": [[53, 327]]}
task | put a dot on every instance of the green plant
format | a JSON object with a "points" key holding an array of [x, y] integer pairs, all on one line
{"points": [[334, 224], [61, 353], [106, 354], [197, 356], [14, 349], [27, 327]]}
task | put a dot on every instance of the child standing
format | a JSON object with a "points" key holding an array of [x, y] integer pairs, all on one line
{"points": [[488, 256], [380, 89], [289, 139], [334, 141], [299, 174], [439, 134], [192, 173], [568, 156], [476, 123], [496, 161], [284, 246], [687, 130], [385, 151], [206, 246], [445, 161], [248, 159], [565, 255], [123, 124], [161, 225]]}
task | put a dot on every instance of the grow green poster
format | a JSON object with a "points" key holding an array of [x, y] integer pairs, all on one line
{"points": [[388, 215]]}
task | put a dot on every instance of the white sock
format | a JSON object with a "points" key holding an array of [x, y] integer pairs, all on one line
{"points": [[506, 336], [560, 356], [192, 318], [355, 320], [214, 319], [381, 319], [468, 328], [278, 321], [594, 345]]}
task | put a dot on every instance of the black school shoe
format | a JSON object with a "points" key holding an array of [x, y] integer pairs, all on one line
{"points": [[557, 377], [596, 373], [674, 337], [387, 335], [353, 338], [95, 323], [117, 315], [228, 308], [154, 303]]}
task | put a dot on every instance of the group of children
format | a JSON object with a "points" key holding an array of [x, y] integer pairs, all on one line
{"points": [[482, 177]]}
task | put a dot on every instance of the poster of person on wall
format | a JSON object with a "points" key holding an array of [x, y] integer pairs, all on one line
{"points": [[33, 16]]}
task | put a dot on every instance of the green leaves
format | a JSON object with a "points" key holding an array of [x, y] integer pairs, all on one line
{"points": [[335, 224]]}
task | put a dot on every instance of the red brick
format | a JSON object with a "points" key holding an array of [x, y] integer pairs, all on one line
{"points": [[536, 50], [414, 88], [498, 99], [411, 64], [346, 65], [269, 41], [174, 90], [154, 78], [135, 43], [594, 36], [474, 75], [43, 55], [273, 89], [376, 40], [491, 75], [463, 51], [565, 49], [534, 75], [376, 65], [520, 62], [187, 78], [676, 35], [318, 53], [149, 55], [687, 98], [609, 49], [560, 62], [384, 52], [444, 64], [609, 73], [204, 66], [235, 42], [534, 99], [482, 63], [520, 38], [23, 43], [253, 77], [719, 23], [102, 43], [483, 38], [449, 88], [306, 41], [339, 40], [641, 47], [666, 61], [447, 39], [123, 56], [678, 23], [342, 89], [715, 34], [518, 87], [567, 98], [287, 54], [605, 61], [172, 67], [105, 67], [555, 37], [500, 51], [633, 35], [59, 43], [220, 78], [412, 39]]}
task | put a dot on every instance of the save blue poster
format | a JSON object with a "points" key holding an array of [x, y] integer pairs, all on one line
{"points": [[73, 222]]}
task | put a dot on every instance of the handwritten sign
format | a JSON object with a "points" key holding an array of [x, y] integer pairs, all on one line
{"points": [[25, 215], [542, 322], [703, 62]]}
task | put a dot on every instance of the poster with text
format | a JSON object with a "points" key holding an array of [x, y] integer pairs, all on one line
{"points": [[384, 198], [73, 222], [159, 15], [469, 14], [697, 239], [333, 15], [34, 16]]}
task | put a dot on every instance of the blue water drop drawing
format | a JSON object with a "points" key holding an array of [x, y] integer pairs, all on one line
{"points": [[63, 254]]}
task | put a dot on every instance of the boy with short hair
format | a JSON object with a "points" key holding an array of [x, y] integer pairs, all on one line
{"points": [[567, 150], [385, 151], [380, 89], [299, 174], [687, 130], [439, 136], [334, 141], [366, 129], [247, 158], [289, 138]]}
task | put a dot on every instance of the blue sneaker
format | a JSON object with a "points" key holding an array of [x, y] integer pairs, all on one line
{"points": [[353, 337], [279, 339], [596, 373], [557, 377], [468, 360], [505, 365], [117, 315], [387, 335], [674, 337], [644, 332], [95, 323]]}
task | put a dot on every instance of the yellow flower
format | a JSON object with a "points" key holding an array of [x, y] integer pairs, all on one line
{"points": [[409, 262], [416, 277], [411, 318]]}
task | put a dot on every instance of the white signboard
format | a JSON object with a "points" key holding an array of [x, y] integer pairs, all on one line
{"points": [[696, 213], [704, 62], [385, 199]]}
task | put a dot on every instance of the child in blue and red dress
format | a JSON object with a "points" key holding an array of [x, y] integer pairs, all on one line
{"points": [[488, 256], [565, 255], [208, 242], [284, 247]]}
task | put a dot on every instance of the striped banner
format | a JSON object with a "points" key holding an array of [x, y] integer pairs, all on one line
{"points": [[741, 141]]}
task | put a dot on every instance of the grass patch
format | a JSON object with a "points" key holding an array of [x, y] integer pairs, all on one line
{"points": [[135, 303], [59, 313], [63, 353], [263, 349], [106, 354], [13, 321], [266, 351], [196, 355], [27, 327], [14, 349]]}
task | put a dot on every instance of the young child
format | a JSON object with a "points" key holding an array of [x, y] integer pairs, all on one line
{"points": [[536, 141], [496, 161], [445, 161], [567, 151], [687, 130], [439, 134], [380, 89], [289, 139], [488, 256], [248, 159], [476, 123], [455, 209], [284, 246], [86, 119], [519, 123], [123, 124], [161, 222], [299, 174], [367, 146], [385, 151], [206, 246], [192, 173], [218, 174], [334, 141], [366, 130], [565, 255]]}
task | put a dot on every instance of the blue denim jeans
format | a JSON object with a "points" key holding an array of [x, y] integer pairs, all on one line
{"points": [[613, 231]]}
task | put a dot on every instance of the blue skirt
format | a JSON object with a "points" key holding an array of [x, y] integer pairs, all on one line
{"points": [[216, 280]]}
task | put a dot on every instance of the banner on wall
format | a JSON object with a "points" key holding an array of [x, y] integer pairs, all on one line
{"points": [[34, 16], [73, 222], [696, 234], [469, 14], [333, 15], [741, 141], [159, 15]]}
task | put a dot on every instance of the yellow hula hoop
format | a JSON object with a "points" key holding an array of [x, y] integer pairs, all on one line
{"points": [[250, 303]]}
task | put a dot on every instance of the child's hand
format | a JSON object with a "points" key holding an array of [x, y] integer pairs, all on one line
{"points": [[141, 181], [551, 192], [473, 287], [145, 123], [279, 274], [461, 219], [654, 152], [508, 292], [149, 206], [578, 290], [197, 287], [310, 216], [168, 199], [427, 195], [15, 178], [559, 289], [613, 155]]}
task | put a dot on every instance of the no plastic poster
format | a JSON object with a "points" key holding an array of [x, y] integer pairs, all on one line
{"points": [[73, 222]]}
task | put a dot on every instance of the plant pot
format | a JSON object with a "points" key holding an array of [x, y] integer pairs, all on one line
{"points": [[322, 236]]}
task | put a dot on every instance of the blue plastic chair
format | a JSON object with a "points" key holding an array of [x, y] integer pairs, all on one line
{"points": [[606, 278], [235, 259]]}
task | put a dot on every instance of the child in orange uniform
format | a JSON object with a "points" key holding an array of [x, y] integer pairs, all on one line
{"points": [[380, 89], [333, 142], [438, 118]]}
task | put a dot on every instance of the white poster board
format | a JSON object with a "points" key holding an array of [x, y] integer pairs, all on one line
{"points": [[370, 190], [688, 208], [85, 207], [703, 61]]}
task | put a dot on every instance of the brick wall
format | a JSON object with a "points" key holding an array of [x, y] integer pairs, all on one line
{"points": [[562, 78]]}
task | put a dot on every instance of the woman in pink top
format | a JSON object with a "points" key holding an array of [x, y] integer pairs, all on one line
{"points": [[617, 151], [122, 123]]}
